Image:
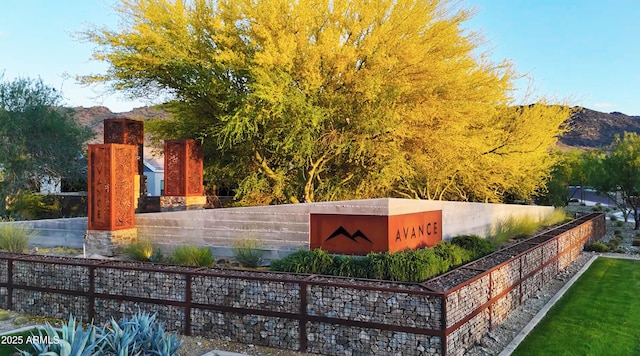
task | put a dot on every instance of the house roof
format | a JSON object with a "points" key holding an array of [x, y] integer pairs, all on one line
{"points": [[153, 159]]}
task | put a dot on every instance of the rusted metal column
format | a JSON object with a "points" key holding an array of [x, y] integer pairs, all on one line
{"points": [[183, 176], [111, 218], [129, 132]]}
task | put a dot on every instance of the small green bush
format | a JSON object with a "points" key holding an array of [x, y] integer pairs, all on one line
{"points": [[401, 266], [613, 218], [4, 315], [619, 223], [635, 242], [596, 247], [619, 249], [14, 238], [141, 250], [303, 261], [192, 256], [248, 252], [617, 232], [474, 243]]}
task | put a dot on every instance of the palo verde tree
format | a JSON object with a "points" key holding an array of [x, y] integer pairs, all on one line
{"points": [[38, 138], [616, 172], [321, 100]]}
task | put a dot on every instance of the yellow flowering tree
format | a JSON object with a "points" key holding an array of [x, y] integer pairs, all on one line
{"points": [[321, 100]]}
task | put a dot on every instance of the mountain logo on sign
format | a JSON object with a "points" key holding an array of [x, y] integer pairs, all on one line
{"points": [[341, 231]]}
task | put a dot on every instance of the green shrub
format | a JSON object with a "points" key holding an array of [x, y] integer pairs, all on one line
{"points": [[615, 242], [304, 261], [617, 232], [248, 252], [192, 256], [14, 238], [351, 266], [613, 218], [619, 223], [4, 315], [474, 243], [452, 255], [557, 216], [513, 227], [141, 250], [596, 247], [635, 242]]}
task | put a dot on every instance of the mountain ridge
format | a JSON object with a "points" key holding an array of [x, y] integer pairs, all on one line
{"points": [[589, 128]]}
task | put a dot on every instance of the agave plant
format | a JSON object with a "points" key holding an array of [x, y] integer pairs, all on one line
{"points": [[141, 334], [71, 340]]}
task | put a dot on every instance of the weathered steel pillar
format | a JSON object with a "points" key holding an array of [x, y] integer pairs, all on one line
{"points": [[129, 132], [111, 213], [183, 175]]}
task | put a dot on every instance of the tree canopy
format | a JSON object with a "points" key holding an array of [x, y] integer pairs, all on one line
{"points": [[321, 100], [616, 172], [38, 138]]}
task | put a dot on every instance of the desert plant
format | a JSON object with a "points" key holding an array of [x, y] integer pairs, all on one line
{"points": [[141, 250], [636, 242], [14, 237], [72, 339], [4, 315], [596, 246], [619, 223], [303, 261], [141, 334], [248, 252], [558, 215], [613, 218], [474, 243], [513, 227], [451, 254], [192, 256]]}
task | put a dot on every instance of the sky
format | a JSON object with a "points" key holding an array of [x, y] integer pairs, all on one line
{"points": [[579, 52]]}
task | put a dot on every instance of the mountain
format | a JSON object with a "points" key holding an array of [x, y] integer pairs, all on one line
{"points": [[94, 116], [592, 129], [589, 128]]}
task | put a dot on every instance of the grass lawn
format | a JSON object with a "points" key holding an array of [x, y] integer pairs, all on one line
{"points": [[8, 346], [598, 315]]}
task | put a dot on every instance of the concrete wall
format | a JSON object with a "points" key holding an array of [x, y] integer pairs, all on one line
{"points": [[282, 228], [67, 232], [285, 228]]}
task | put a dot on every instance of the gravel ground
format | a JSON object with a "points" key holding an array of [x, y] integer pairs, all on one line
{"points": [[492, 344]]}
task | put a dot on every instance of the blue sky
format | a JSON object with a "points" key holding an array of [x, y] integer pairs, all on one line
{"points": [[586, 52]]}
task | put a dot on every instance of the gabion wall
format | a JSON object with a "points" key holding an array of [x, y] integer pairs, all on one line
{"points": [[320, 314]]}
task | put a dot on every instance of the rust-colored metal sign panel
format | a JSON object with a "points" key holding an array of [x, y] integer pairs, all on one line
{"points": [[413, 231], [183, 168], [112, 170], [362, 234]]}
